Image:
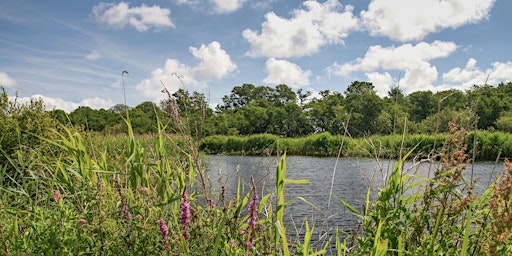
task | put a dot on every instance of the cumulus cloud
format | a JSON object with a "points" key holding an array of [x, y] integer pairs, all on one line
{"points": [[142, 18], [6, 81], [213, 6], [383, 82], [304, 33], [471, 74], [413, 59], [52, 103], [285, 72], [406, 20], [93, 55], [226, 6], [214, 63]]}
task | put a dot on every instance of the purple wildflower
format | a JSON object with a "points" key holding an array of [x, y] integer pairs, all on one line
{"points": [[253, 218], [253, 212], [185, 216], [124, 208], [164, 233]]}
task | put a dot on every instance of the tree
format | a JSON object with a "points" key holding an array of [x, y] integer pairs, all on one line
{"points": [[421, 104], [327, 114], [90, 119], [59, 115], [504, 122], [283, 95], [364, 104], [487, 104], [302, 97]]}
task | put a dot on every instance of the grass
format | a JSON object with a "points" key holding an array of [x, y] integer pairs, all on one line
{"points": [[90, 195], [488, 146]]}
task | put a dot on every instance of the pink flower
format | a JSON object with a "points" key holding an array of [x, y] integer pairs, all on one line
{"points": [[56, 195], [185, 216], [81, 222], [232, 243], [164, 232], [253, 212]]}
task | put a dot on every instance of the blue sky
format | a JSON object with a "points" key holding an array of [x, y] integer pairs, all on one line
{"points": [[72, 53]]}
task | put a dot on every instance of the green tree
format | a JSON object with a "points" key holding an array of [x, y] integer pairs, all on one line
{"points": [[504, 122], [487, 104], [421, 104], [59, 115], [90, 119], [327, 114], [364, 104]]}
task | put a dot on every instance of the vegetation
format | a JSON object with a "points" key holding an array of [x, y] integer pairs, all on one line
{"points": [[99, 188], [488, 145], [280, 111]]}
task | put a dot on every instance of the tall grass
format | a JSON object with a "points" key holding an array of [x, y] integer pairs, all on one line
{"points": [[488, 145], [150, 196]]}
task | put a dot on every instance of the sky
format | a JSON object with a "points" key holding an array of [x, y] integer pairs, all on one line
{"points": [[73, 53]]}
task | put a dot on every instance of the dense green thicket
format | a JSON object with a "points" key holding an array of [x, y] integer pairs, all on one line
{"points": [[281, 111]]}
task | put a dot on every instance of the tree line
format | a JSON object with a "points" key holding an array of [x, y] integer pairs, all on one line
{"points": [[281, 111]]}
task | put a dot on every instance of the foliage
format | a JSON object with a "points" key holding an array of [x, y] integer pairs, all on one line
{"points": [[144, 195]]}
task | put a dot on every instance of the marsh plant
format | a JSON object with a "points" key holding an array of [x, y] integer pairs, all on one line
{"points": [[82, 196]]}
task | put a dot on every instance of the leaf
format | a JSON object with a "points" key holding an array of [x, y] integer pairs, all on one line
{"points": [[352, 209]]}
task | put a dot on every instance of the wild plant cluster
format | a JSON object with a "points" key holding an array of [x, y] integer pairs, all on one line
{"points": [[85, 196]]}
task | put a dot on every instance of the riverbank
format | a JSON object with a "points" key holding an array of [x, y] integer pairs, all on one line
{"points": [[488, 145]]}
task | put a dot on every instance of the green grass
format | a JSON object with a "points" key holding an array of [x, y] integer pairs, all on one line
{"points": [[489, 146], [94, 195]]}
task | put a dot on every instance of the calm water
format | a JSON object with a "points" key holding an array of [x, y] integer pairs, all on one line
{"points": [[352, 177]]}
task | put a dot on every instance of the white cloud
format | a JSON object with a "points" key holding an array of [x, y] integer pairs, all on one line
{"points": [[226, 6], [213, 6], [303, 34], [413, 59], [6, 81], [406, 20], [51, 103], [214, 63], [285, 72], [142, 18], [93, 55], [383, 82], [465, 78]]}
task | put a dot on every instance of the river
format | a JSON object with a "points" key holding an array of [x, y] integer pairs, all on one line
{"points": [[348, 181]]}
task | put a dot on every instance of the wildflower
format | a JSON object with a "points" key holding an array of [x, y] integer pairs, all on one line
{"points": [[144, 190], [232, 243], [164, 233], [253, 218], [253, 212], [81, 222], [125, 210], [56, 195], [185, 216]]}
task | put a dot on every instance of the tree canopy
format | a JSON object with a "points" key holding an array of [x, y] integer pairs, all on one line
{"points": [[280, 110]]}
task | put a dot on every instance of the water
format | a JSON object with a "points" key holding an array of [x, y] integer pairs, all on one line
{"points": [[351, 180]]}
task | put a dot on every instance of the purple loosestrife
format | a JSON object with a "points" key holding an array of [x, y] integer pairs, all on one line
{"points": [[251, 222], [124, 208], [164, 233], [185, 216]]}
